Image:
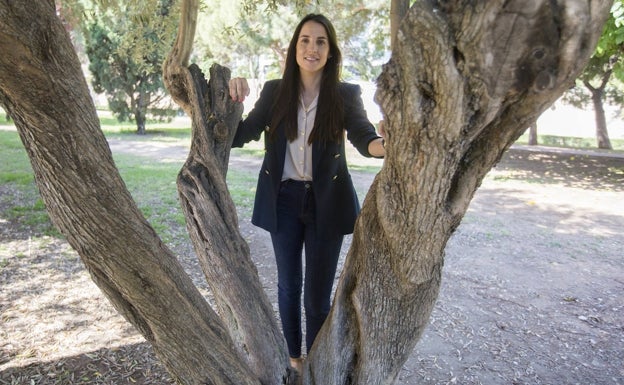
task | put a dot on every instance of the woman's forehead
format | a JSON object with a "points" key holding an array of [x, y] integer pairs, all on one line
{"points": [[313, 29]]}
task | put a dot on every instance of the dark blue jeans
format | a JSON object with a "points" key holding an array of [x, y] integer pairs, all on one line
{"points": [[296, 229]]}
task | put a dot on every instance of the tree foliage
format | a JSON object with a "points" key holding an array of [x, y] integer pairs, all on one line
{"points": [[251, 37], [611, 43], [602, 80], [606, 67], [248, 36], [126, 54]]}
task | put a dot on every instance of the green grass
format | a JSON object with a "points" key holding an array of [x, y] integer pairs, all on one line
{"points": [[15, 167], [154, 133], [242, 187], [33, 216], [570, 142], [109, 121], [355, 166], [16, 174], [152, 184], [249, 151]]}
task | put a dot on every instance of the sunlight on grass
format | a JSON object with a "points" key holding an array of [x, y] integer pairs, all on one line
{"points": [[177, 130], [153, 134], [242, 186], [570, 142], [15, 166], [152, 183], [618, 171]]}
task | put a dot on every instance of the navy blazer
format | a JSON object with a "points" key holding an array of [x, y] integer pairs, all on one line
{"points": [[336, 202]]}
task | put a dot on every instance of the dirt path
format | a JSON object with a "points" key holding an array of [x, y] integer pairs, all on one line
{"points": [[532, 290]]}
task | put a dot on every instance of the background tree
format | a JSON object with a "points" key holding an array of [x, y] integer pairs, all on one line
{"points": [[126, 55], [533, 140], [250, 41], [603, 77], [465, 80], [362, 27], [256, 35], [398, 10]]}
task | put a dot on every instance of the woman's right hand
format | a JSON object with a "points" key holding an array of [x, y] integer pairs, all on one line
{"points": [[239, 89]]}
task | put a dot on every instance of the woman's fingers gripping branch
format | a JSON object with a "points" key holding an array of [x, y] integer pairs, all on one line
{"points": [[239, 89]]}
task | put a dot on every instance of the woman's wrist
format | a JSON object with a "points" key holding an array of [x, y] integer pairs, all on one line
{"points": [[377, 147]]}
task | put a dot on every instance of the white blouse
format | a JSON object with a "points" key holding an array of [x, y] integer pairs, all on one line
{"points": [[298, 162]]}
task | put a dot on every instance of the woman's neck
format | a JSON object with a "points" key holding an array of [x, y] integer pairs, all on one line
{"points": [[310, 86]]}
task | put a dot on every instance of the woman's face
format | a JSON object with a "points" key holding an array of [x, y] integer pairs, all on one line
{"points": [[312, 48]]}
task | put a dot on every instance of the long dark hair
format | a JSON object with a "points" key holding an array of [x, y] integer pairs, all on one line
{"points": [[329, 120]]}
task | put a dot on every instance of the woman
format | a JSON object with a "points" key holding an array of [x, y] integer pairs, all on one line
{"points": [[305, 196]]}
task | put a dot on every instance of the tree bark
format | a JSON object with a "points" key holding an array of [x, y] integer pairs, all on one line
{"points": [[533, 135], [140, 112], [211, 214], [465, 79], [597, 93], [398, 10], [43, 89], [602, 134]]}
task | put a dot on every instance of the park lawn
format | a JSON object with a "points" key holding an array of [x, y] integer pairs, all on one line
{"points": [[152, 184]]}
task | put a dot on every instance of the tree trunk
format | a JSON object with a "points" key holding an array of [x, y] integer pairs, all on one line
{"points": [[602, 135], [140, 112], [280, 52], [140, 118], [42, 87], [213, 224], [597, 94], [210, 212], [398, 10], [465, 79], [533, 135]]}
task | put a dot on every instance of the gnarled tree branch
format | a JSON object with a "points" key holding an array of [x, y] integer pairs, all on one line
{"points": [[42, 85], [211, 214], [465, 80]]}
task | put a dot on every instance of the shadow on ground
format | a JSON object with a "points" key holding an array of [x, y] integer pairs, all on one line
{"points": [[570, 170], [531, 292], [129, 364]]}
